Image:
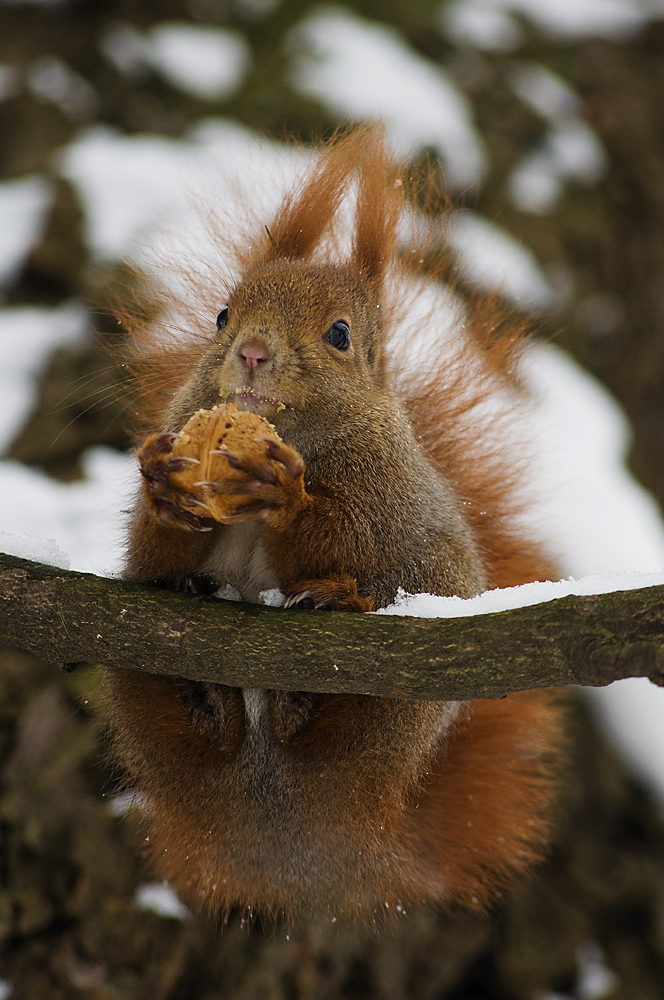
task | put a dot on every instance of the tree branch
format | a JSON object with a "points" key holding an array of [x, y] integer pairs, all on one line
{"points": [[67, 617]]}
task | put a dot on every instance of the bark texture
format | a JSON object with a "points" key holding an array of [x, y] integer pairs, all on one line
{"points": [[68, 618]]}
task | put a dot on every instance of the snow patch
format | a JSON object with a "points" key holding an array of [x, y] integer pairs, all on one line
{"points": [[570, 150], [209, 63], [41, 550], [592, 513], [489, 24], [139, 189], [494, 601], [161, 899], [27, 336], [84, 518], [52, 81], [23, 205], [362, 70], [493, 258]]}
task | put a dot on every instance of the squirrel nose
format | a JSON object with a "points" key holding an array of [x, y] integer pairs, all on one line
{"points": [[254, 354]]}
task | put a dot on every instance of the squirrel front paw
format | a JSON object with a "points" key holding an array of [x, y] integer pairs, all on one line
{"points": [[335, 593], [264, 482], [226, 465], [169, 501]]}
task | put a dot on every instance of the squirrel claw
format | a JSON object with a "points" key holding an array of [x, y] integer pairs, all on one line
{"points": [[180, 463], [264, 472], [305, 600], [262, 481], [292, 462], [187, 500], [175, 517], [288, 457], [164, 443], [248, 511]]}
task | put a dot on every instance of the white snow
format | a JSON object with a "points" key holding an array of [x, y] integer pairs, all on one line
{"points": [[84, 518], [493, 601], [570, 150], [27, 336], [594, 979], [543, 90], [52, 81], [273, 598], [632, 713], [131, 798], [43, 550], [493, 258], [161, 899], [126, 48], [207, 62], [485, 25], [131, 186], [126, 183], [597, 517], [361, 70], [22, 207], [489, 24]]}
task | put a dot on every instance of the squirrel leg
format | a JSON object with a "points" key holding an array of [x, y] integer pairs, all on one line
{"points": [[167, 502], [166, 554], [334, 593]]}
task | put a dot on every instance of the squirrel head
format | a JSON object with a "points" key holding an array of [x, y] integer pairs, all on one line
{"points": [[296, 337], [302, 329]]}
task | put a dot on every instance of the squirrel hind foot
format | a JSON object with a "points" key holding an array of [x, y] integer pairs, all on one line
{"points": [[224, 715], [292, 712], [331, 594], [217, 712]]}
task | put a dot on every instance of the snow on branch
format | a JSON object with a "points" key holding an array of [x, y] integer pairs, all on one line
{"points": [[67, 618]]}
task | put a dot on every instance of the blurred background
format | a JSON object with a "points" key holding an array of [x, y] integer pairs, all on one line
{"points": [[545, 123]]}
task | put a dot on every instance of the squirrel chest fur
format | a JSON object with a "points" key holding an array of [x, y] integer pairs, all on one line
{"points": [[364, 483]]}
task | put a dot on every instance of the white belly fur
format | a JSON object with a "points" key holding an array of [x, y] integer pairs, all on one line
{"points": [[238, 560]]}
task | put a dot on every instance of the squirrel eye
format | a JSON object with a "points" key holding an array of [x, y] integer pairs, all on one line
{"points": [[222, 318], [338, 335]]}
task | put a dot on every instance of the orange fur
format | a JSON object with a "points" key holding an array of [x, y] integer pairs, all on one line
{"points": [[293, 802], [484, 814]]}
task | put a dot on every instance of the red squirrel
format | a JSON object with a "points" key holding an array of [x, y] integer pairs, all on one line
{"points": [[386, 477]]}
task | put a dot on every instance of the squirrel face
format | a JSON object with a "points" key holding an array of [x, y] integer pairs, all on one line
{"points": [[294, 338]]}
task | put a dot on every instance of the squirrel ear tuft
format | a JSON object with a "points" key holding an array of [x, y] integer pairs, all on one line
{"points": [[308, 211], [379, 208]]}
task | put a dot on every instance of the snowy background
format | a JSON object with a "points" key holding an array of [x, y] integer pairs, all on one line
{"points": [[592, 513]]}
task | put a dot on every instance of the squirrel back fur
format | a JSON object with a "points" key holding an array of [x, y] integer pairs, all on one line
{"points": [[395, 472]]}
